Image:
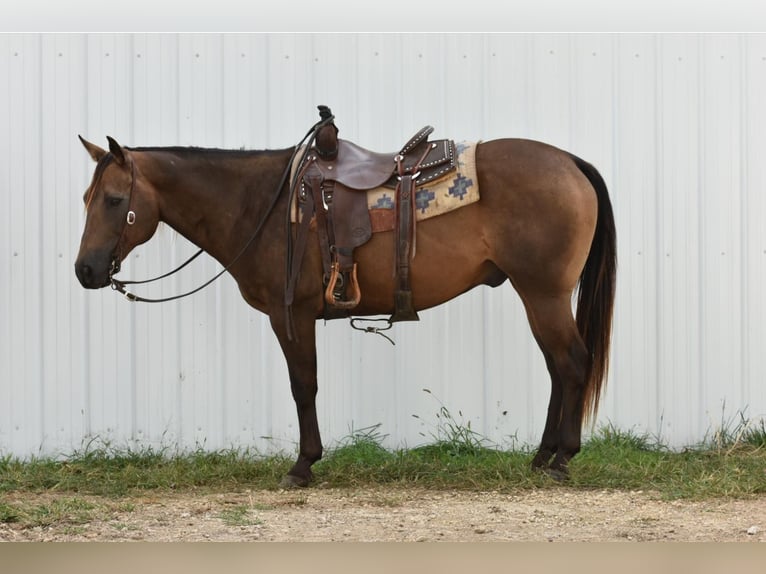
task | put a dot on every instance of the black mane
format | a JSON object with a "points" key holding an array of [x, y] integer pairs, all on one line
{"points": [[194, 151]]}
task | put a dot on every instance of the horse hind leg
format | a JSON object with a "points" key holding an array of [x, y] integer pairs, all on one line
{"points": [[566, 357], [549, 442]]}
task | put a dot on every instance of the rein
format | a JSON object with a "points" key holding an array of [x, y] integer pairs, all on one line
{"points": [[118, 285]]}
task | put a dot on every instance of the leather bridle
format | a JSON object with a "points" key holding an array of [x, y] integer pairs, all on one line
{"points": [[130, 219]]}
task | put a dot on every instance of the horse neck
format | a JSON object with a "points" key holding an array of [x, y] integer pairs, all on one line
{"points": [[214, 198]]}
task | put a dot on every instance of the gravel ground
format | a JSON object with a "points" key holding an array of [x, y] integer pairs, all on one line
{"points": [[395, 514]]}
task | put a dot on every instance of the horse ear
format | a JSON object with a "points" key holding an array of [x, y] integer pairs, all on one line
{"points": [[117, 151], [93, 150]]}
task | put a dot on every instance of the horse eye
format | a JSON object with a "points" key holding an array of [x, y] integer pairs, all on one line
{"points": [[113, 201]]}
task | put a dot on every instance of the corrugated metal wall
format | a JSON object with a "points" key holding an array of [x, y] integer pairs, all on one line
{"points": [[675, 123]]}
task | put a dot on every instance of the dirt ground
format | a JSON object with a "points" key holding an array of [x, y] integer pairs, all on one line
{"points": [[395, 515]]}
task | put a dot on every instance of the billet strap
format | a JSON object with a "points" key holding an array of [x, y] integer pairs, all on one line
{"points": [[405, 229], [405, 234], [405, 240]]}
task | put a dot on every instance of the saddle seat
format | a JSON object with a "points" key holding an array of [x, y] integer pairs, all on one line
{"points": [[360, 169]]}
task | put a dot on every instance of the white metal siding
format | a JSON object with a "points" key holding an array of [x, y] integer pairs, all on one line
{"points": [[675, 123]]}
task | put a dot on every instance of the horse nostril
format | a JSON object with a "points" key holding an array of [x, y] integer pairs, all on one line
{"points": [[84, 273], [92, 271]]}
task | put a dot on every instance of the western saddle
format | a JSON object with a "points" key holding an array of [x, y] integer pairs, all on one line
{"points": [[331, 182]]}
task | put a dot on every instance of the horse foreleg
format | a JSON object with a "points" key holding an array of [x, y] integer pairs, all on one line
{"points": [[300, 353], [556, 333]]}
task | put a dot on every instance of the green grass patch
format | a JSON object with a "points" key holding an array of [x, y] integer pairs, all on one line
{"points": [[109, 471], [239, 515], [610, 459], [730, 465], [68, 511]]}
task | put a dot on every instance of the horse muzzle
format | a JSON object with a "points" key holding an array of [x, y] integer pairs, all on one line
{"points": [[95, 272]]}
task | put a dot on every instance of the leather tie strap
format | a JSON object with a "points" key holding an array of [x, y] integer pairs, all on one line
{"points": [[307, 212]]}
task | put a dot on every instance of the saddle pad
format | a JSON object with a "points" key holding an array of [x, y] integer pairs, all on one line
{"points": [[456, 189]]}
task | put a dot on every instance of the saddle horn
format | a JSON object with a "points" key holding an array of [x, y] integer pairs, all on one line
{"points": [[326, 141]]}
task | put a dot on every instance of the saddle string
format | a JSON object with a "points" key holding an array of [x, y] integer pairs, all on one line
{"points": [[119, 285]]}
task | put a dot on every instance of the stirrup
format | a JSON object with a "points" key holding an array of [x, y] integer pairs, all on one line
{"points": [[353, 292]]}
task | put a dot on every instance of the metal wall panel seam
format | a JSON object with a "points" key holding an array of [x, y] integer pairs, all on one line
{"points": [[744, 222]]}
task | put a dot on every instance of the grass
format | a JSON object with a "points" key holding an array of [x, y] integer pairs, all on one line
{"points": [[239, 515], [618, 460], [111, 472], [70, 511], [730, 463]]}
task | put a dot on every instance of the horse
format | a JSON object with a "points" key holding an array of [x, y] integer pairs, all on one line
{"points": [[544, 222]]}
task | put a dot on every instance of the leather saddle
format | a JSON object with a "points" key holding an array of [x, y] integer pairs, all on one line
{"points": [[332, 181], [360, 169]]}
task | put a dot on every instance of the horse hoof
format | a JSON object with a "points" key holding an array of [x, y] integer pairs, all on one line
{"points": [[542, 459], [290, 481], [559, 475]]}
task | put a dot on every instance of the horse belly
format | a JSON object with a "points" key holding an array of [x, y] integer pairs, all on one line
{"points": [[446, 263]]}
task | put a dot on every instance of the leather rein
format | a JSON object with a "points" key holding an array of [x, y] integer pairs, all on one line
{"points": [[130, 219]]}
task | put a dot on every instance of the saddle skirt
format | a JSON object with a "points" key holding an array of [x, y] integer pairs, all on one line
{"points": [[432, 198]]}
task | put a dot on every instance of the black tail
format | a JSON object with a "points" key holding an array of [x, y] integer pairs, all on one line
{"points": [[595, 300]]}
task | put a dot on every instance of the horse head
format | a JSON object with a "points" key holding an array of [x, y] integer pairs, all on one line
{"points": [[121, 213]]}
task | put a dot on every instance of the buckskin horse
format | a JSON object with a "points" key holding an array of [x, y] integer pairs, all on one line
{"points": [[544, 222]]}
